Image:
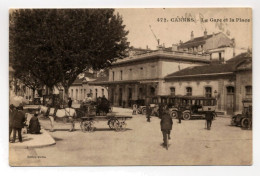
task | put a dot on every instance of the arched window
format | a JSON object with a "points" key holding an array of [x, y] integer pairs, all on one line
{"points": [[188, 91], [208, 91]]}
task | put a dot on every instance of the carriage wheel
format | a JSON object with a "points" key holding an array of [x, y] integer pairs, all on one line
{"points": [[112, 123], [174, 114], [245, 123], [186, 116], [87, 126]]}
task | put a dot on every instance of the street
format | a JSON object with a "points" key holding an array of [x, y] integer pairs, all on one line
{"points": [[140, 144]]}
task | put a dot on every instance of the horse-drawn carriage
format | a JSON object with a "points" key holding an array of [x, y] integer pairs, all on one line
{"points": [[99, 111]]}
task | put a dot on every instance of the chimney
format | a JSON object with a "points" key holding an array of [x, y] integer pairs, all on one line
{"points": [[147, 47], [191, 35], [205, 33]]}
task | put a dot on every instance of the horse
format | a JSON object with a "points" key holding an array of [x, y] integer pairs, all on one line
{"points": [[69, 113]]}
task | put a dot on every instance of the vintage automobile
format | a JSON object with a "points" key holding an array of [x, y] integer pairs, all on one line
{"points": [[245, 119], [191, 106]]}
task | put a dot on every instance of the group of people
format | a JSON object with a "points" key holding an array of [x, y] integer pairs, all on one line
{"points": [[17, 121], [166, 119]]}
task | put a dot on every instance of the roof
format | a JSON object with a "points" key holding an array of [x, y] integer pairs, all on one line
{"points": [[196, 41], [213, 69], [239, 58], [100, 80], [78, 81], [163, 54], [203, 70]]}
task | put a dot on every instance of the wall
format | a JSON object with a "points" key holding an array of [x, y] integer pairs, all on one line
{"points": [[198, 89], [149, 70], [243, 79], [84, 89]]}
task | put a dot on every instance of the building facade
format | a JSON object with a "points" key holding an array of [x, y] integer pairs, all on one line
{"points": [[142, 76]]}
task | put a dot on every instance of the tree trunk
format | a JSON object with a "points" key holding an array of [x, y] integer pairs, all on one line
{"points": [[66, 94]]}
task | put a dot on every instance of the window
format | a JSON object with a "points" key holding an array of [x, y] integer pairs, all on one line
{"points": [[103, 92], [248, 90], [81, 93], [84, 93], [71, 93], [188, 91], [210, 56], [230, 90], [90, 92], [96, 93], [121, 74], [152, 91], [76, 94], [208, 92], [172, 91], [219, 56], [140, 92], [113, 75]]}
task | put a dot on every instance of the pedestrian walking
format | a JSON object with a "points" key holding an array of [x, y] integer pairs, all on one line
{"points": [[209, 117], [166, 126], [134, 109], [160, 111], [11, 119], [18, 123], [148, 113], [179, 113]]}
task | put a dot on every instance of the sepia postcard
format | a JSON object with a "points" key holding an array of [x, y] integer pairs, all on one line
{"points": [[130, 87]]}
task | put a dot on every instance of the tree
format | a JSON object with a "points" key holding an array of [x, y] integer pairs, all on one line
{"points": [[57, 45], [28, 80]]}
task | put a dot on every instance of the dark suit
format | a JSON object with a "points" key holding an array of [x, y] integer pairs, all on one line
{"points": [[209, 117], [18, 124], [148, 113], [166, 126]]}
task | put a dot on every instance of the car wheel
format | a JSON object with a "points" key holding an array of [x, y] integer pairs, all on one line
{"points": [[186, 116]]}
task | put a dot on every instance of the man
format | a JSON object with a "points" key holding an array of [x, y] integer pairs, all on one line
{"points": [[69, 103], [160, 111], [179, 113], [209, 117], [134, 109], [34, 125], [18, 123], [11, 118], [166, 126], [148, 113]]}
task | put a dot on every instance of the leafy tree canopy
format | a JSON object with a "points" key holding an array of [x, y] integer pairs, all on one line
{"points": [[55, 45]]}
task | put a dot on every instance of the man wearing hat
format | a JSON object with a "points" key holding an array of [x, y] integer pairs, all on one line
{"points": [[166, 125], [209, 117], [18, 123]]}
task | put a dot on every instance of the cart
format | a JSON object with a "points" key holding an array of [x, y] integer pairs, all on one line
{"points": [[115, 122]]}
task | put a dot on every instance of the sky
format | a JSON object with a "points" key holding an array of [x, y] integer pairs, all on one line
{"points": [[137, 22]]}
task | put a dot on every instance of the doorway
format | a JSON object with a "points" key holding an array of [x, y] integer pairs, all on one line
{"points": [[230, 100]]}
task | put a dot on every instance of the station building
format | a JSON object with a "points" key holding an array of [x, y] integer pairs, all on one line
{"points": [[202, 66]]}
